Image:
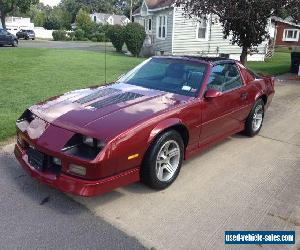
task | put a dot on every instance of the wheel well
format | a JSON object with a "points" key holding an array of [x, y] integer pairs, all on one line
{"points": [[181, 129], [264, 98]]}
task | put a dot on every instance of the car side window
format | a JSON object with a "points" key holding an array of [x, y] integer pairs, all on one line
{"points": [[224, 78]]}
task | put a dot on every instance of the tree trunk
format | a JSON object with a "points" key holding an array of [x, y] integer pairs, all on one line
{"points": [[3, 16], [244, 54]]}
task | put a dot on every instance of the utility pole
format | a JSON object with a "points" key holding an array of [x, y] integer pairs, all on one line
{"points": [[131, 6]]}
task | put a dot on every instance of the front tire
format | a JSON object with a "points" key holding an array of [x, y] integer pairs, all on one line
{"points": [[255, 119], [163, 161], [15, 43]]}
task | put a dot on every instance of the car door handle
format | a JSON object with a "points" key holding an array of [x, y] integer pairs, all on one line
{"points": [[244, 95]]}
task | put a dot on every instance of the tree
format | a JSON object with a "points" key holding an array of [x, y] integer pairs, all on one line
{"points": [[84, 22], [244, 21], [127, 6], [292, 10], [72, 7], [8, 6]]}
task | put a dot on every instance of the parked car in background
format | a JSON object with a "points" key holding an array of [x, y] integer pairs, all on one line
{"points": [[7, 38], [142, 127], [26, 34]]}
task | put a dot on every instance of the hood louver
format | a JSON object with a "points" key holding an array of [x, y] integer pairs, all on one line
{"points": [[98, 94], [123, 97]]}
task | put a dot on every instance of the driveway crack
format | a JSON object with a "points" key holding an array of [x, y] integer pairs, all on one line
{"points": [[277, 140]]}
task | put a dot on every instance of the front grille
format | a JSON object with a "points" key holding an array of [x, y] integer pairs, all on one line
{"points": [[98, 94], [41, 161], [36, 159], [124, 97]]}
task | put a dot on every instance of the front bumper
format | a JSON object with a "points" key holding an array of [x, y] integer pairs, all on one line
{"points": [[77, 186]]}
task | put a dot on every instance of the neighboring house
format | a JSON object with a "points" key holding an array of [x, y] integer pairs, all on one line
{"points": [[14, 24], [111, 19], [171, 32], [287, 33]]}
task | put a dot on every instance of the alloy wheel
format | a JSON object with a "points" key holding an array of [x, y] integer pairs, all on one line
{"points": [[168, 160], [257, 118]]}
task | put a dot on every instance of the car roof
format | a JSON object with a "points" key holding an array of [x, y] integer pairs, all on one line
{"points": [[201, 59]]}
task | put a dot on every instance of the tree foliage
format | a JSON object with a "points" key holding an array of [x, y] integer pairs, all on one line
{"points": [[244, 21], [134, 36], [84, 22], [8, 6]]}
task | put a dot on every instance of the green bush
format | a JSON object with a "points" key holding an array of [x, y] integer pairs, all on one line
{"points": [[100, 36], [134, 36], [94, 39], [59, 35], [79, 35], [71, 35], [116, 35]]}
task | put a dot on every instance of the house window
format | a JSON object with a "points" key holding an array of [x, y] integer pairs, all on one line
{"points": [[291, 35], [95, 19], [201, 32], [161, 27], [150, 24]]}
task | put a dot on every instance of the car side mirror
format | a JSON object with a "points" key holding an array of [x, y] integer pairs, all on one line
{"points": [[212, 93]]}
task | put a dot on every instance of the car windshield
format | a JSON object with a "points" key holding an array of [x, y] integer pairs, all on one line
{"points": [[169, 75]]}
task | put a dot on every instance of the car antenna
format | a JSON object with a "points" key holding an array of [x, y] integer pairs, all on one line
{"points": [[105, 66]]}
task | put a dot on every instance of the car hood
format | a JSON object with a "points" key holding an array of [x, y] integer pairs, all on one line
{"points": [[103, 112]]}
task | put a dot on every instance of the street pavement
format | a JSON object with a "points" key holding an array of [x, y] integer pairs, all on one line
{"points": [[77, 45], [240, 184]]}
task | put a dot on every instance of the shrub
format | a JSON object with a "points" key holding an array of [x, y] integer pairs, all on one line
{"points": [[100, 36], [134, 36], [79, 35], [116, 35], [94, 39], [71, 36], [59, 35]]}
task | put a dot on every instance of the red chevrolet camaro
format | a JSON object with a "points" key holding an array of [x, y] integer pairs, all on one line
{"points": [[142, 127]]}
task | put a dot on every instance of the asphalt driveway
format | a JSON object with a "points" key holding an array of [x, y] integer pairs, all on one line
{"points": [[240, 184]]}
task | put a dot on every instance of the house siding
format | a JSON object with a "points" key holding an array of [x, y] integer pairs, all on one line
{"points": [[185, 41], [280, 32], [164, 45]]}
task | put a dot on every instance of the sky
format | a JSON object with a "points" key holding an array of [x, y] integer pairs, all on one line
{"points": [[50, 2]]}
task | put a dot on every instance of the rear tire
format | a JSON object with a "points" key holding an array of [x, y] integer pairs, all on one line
{"points": [[255, 119], [163, 161]]}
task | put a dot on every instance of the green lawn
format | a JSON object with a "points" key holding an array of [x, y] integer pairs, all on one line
{"points": [[31, 75], [279, 64]]}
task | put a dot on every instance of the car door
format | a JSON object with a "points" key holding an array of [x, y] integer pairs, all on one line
{"points": [[220, 114], [2, 37]]}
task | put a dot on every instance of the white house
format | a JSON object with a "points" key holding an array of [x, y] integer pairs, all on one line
{"points": [[103, 18], [171, 32], [14, 24]]}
